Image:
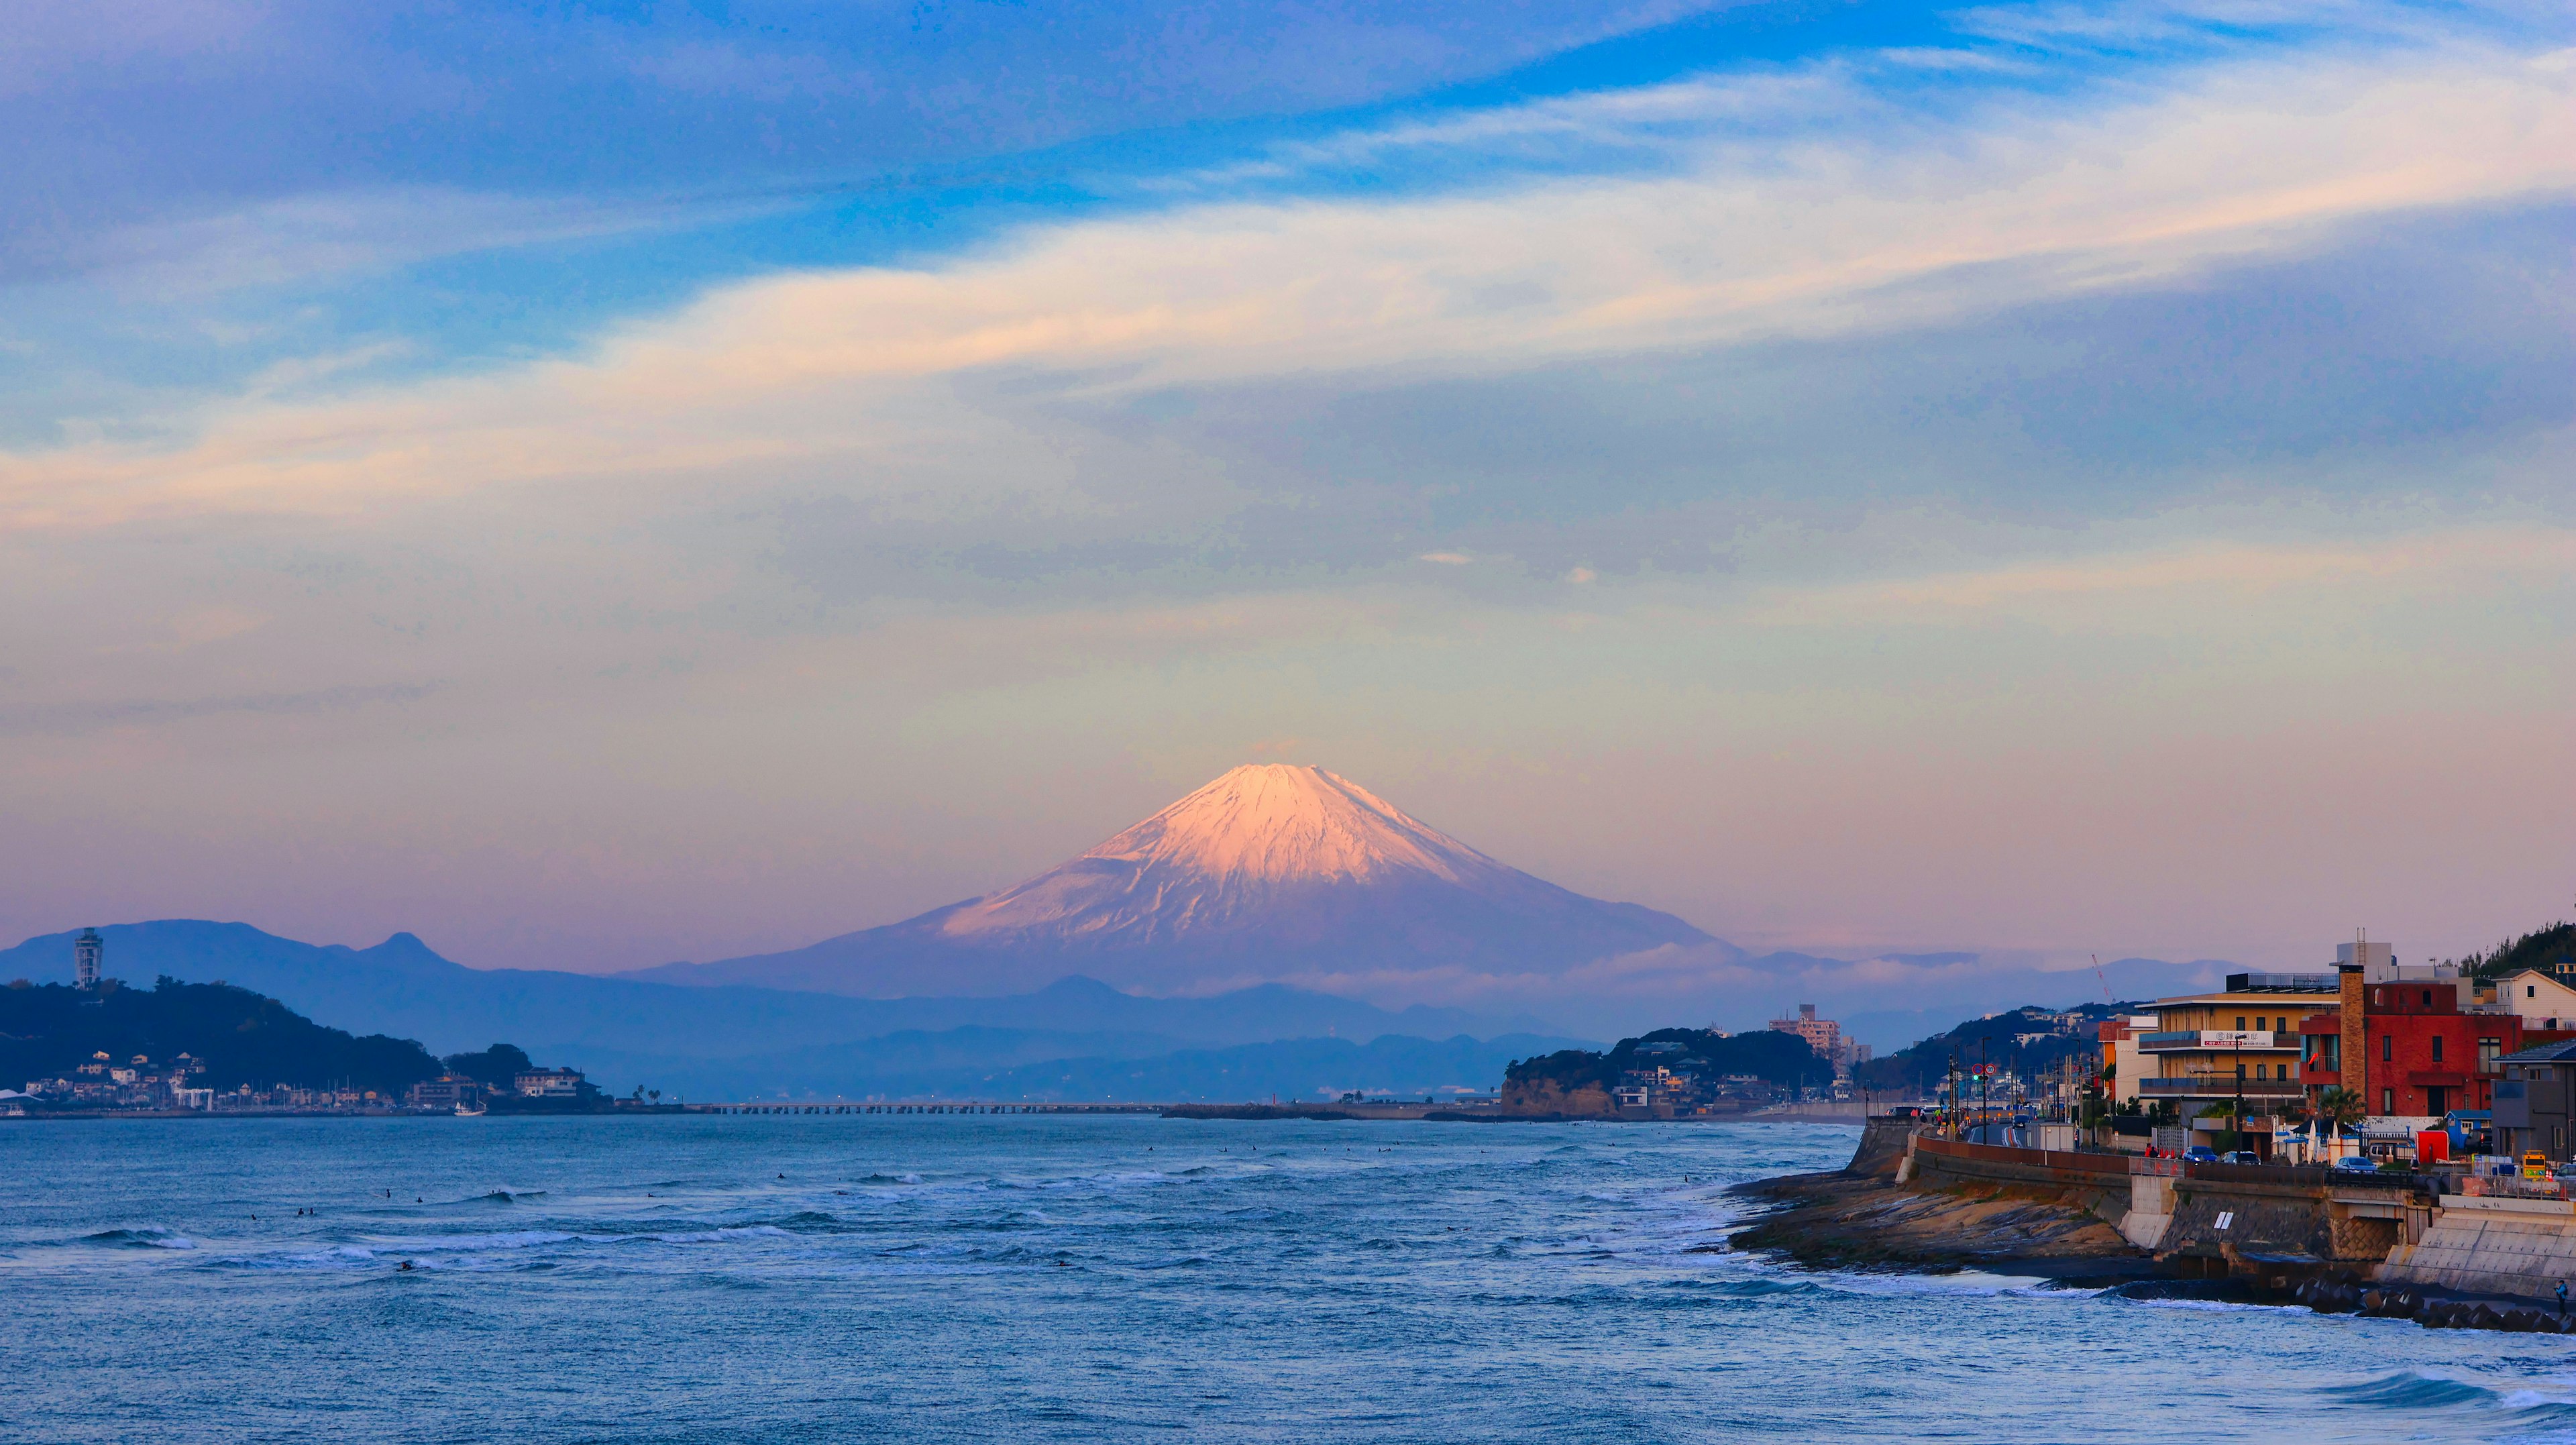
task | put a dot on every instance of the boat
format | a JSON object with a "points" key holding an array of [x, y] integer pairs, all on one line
{"points": [[474, 1110]]}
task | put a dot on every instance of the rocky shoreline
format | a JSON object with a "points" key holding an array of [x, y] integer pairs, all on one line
{"points": [[1859, 1221]]}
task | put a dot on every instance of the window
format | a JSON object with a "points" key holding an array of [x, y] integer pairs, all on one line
{"points": [[2240, 1023], [2428, 998], [2281, 1025], [2388, 1101], [2437, 1048], [2529, 991], [2388, 1048], [2240, 1071]]}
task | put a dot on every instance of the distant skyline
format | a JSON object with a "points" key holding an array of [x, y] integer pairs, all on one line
{"points": [[598, 488]]}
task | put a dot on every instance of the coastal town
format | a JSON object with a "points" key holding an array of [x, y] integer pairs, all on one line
{"points": [[2386, 1138], [213, 1049]]}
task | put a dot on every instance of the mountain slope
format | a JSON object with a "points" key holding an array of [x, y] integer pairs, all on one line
{"points": [[1268, 872]]}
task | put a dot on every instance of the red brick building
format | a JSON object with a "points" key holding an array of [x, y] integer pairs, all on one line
{"points": [[2420, 1052]]}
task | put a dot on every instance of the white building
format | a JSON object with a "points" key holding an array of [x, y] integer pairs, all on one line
{"points": [[2539, 998]]}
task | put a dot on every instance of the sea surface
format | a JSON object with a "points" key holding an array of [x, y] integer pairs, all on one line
{"points": [[1026, 1278]]}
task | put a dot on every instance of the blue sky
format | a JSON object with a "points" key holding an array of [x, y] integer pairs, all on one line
{"points": [[604, 484]]}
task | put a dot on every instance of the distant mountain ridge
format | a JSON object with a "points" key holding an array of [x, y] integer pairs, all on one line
{"points": [[1268, 872], [640, 1032]]}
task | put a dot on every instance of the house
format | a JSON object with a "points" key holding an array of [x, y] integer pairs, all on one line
{"points": [[550, 1084], [2540, 1000]]}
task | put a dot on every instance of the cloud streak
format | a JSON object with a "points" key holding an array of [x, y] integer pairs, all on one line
{"points": [[1804, 239]]}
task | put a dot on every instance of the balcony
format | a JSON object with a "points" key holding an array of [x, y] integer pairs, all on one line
{"points": [[2218, 1086], [2218, 1040]]}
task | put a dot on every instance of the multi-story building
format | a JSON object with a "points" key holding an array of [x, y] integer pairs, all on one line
{"points": [[2409, 1041], [2239, 1043], [2121, 1058], [1823, 1035], [447, 1091]]}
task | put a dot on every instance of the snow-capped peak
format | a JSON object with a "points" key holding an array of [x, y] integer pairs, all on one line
{"points": [[1276, 823]]}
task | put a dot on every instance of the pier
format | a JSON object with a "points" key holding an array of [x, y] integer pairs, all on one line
{"points": [[967, 1108]]}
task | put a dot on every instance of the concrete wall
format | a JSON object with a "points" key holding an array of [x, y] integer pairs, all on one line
{"points": [[1882, 1148], [2104, 1195], [2248, 1221], [2151, 1209], [2235, 1223], [2491, 1246]]}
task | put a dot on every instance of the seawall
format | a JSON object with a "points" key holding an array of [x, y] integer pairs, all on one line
{"points": [[2517, 1247]]}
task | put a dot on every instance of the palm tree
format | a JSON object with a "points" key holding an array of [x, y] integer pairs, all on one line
{"points": [[2342, 1107]]}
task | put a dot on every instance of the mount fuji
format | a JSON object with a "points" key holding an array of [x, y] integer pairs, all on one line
{"points": [[1271, 872]]}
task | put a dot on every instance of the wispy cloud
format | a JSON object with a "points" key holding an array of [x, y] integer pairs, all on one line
{"points": [[321, 237], [1813, 239], [2159, 585]]}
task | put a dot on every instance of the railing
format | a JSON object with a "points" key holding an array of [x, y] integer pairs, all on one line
{"points": [[2510, 1186], [2009, 1154], [2283, 983], [2305, 1176], [2219, 1086]]}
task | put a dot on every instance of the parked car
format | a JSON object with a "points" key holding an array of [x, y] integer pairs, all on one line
{"points": [[2200, 1154], [2240, 1156], [2355, 1164]]}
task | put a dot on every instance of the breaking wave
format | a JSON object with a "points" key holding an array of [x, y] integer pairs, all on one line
{"points": [[2407, 1390], [145, 1238]]}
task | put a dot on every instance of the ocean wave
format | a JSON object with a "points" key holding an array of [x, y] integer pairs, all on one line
{"points": [[2407, 1390], [147, 1237], [527, 1248], [1746, 1288]]}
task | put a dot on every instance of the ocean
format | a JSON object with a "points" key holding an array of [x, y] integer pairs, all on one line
{"points": [[1036, 1278]]}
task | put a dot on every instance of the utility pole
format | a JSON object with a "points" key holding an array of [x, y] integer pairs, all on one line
{"points": [[2239, 1120], [1982, 1075], [1954, 1095]]}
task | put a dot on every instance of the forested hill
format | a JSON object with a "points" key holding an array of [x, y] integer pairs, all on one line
{"points": [[2025, 1041], [48, 1031], [2551, 949], [1774, 1057]]}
